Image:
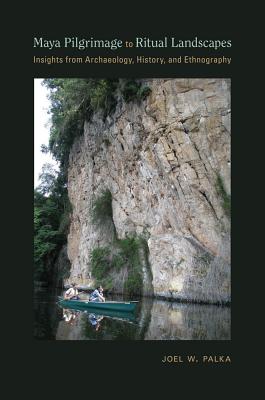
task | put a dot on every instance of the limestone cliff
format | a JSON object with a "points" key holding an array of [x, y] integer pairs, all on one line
{"points": [[166, 162]]}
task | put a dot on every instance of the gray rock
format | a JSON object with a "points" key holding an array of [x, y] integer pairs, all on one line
{"points": [[161, 165]]}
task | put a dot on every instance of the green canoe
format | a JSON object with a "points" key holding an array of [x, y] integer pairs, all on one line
{"points": [[124, 306]]}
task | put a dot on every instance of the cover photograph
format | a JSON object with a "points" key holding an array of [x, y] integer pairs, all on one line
{"points": [[132, 208]]}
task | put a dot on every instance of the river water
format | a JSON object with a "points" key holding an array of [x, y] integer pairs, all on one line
{"points": [[153, 320]]}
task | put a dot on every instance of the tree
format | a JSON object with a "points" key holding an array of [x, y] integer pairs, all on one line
{"points": [[48, 178], [47, 237]]}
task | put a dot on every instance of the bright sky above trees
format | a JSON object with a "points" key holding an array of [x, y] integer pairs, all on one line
{"points": [[41, 128]]}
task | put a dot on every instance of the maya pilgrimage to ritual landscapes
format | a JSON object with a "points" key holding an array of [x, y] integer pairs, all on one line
{"points": [[139, 42]]}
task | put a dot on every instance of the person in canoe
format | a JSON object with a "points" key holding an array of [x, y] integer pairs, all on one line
{"points": [[97, 295], [72, 293]]}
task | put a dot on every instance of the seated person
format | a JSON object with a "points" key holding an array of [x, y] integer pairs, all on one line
{"points": [[72, 293], [97, 295]]}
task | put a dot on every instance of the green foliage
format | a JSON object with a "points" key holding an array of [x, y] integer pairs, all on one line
{"points": [[143, 92], [64, 223], [133, 284], [128, 246], [125, 254], [47, 238], [101, 266], [130, 250], [226, 199], [51, 220], [132, 90], [117, 262], [107, 283], [102, 208], [103, 96], [129, 89], [100, 262], [65, 217]]}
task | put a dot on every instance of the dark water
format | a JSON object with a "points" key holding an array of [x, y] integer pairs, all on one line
{"points": [[153, 320]]}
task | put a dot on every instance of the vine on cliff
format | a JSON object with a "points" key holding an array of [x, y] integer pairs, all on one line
{"points": [[226, 199], [123, 255], [133, 91], [102, 208]]}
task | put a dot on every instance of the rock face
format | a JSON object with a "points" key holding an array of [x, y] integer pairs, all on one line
{"points": [[61, 267], [166, 162]]}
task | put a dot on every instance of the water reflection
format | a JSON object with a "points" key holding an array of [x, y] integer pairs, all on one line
{"points": [[93, 326], [175, 321], [95, 320], [153, 320], [69, 315]]}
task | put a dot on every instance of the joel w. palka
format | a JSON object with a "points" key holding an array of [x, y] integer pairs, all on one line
{"points": [[210, 359]]}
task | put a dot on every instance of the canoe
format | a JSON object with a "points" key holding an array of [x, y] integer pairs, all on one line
{"points": [[124, 306]]}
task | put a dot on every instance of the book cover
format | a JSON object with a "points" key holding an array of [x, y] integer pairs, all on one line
{"points": [[131, 133]]}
